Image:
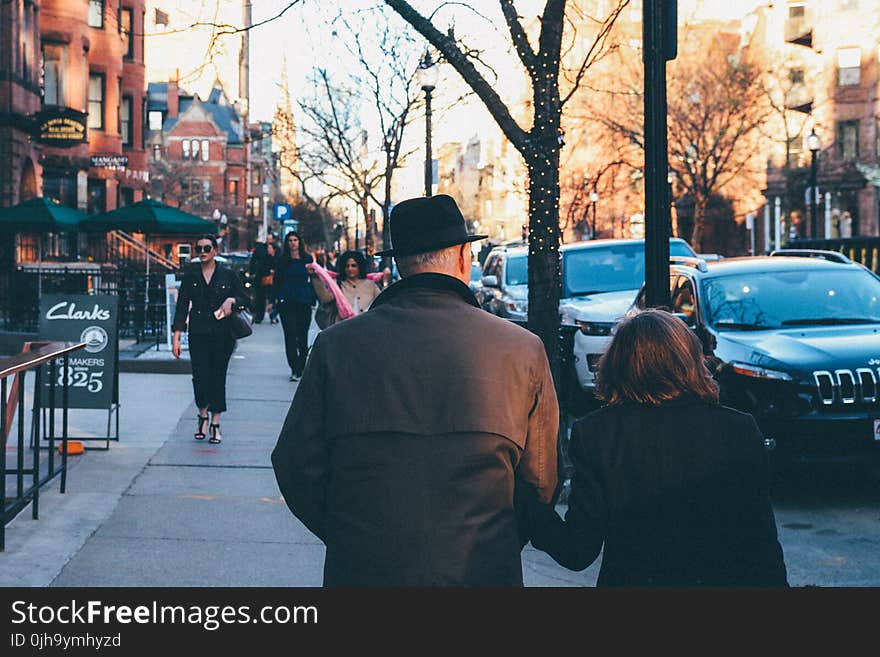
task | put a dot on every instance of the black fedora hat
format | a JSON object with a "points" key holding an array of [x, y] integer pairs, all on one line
{"points": [[423, 224]]}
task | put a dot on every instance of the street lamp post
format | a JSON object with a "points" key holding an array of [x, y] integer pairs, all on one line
{"points": [[594, 198], [428, 81], [813, 144]]}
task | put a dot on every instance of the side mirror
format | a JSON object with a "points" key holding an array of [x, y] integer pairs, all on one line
{"points": [[490, 281]]}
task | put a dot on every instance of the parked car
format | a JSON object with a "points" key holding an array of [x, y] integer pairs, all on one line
{"points": [[476, 277], [796, 343], [600, 280], [504, 286]]}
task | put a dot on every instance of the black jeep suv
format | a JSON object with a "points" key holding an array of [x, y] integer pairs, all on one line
{"points": [[796, 342]]}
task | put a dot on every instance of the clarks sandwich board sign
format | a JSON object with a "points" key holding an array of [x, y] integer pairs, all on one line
{"points": [[61, 126], [91, 319]]}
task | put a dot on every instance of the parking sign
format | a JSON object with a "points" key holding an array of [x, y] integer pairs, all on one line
{"points": [[282, 211]]}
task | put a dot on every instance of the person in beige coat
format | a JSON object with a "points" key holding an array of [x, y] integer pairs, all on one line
{"points": [[410, 481], [359, 291]]}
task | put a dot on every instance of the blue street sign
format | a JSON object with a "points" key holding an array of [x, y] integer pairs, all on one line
{"points": [[282, 211]]}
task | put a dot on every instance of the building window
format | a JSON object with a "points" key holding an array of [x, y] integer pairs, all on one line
{"points": [[205, 150], [796, 145], [796, 76], [125, 19], [54, 70], [849, 67], [233, 192], [157, 152], [206, 190], [119, 105], [195, 149], [125, 121], [877, 139], [185, 146], [96, 101], [848, 140], [96, 13], [796, 10], [154, 119]]}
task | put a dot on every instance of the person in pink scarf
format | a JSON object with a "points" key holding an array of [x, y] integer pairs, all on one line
{"points": [[355, 290]]}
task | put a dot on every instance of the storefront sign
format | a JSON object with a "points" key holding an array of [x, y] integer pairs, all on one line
{"points": [[91, 319], [116, 162], [61, 126]]}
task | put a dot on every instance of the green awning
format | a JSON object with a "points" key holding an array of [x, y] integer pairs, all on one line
{"points": [[40, 215], [150, 217]]}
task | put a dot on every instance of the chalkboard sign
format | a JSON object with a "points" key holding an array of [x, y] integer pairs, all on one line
{"points": [[91, 319]]}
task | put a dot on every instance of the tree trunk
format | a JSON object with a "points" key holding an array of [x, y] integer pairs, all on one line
{"points": [[700, 205], [544, 268], [369, 228]]}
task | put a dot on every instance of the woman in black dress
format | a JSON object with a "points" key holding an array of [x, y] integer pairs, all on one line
{"points": [[294, 298], [671, 486], [208, 293]]}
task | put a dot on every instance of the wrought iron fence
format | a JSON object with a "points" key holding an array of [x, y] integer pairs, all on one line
{"points": [[864, 250], [22, 288]]}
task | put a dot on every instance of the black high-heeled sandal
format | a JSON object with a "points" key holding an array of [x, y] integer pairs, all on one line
{"points": [[200, 429], [215, 434]]}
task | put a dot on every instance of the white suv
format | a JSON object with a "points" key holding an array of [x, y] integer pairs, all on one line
{"points": [[600, 280]]}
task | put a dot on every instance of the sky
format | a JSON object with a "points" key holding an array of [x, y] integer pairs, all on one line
{"points": [[304, 38]]}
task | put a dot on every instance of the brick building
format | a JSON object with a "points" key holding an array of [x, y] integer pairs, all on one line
{"points": [[19, 98], [93, 54], [828, 82], [198, 158]]}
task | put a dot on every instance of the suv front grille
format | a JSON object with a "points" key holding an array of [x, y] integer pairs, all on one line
{"points": [[846, 387]]}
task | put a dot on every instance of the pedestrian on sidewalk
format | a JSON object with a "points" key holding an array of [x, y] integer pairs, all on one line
{"points": [[672, 484], [208, 294], [261, 269], [351, 276], [409, 481], [293, 294]]}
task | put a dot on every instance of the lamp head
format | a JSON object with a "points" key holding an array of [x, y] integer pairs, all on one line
{"points": [[813, 142], [428, 72]]}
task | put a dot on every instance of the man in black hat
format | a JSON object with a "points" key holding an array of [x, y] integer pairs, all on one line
{"points": [[409, 481]]}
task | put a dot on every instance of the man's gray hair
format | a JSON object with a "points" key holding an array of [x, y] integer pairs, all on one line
{"points": [[441, 260]]}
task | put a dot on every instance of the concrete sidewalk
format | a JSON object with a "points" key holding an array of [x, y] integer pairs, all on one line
{"points": [[160, 509]]}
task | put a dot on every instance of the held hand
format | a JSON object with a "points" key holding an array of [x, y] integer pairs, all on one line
{"points": [[227, 306], [310, 267]]}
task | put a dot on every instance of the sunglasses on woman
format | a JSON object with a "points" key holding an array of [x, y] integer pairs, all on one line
{"points": [[204, 248]]}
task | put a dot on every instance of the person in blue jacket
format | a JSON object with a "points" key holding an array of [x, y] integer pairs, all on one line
{"points": [[294, 299]]}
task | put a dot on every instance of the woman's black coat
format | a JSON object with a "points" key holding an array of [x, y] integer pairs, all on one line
{"points": [[678, 494]]}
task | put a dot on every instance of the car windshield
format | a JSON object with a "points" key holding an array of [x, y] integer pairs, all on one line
{"points": [[517, 271], [476, 273], [610, 268], [775, 299]]}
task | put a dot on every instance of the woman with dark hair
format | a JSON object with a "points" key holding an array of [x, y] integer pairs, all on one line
{"points": [[294, 298], [207, 295], [670, 485], [351, 272]]}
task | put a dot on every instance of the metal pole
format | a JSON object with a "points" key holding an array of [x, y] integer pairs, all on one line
{"points": [[429, 169], [827, 215], [778, 222], [814, 208], [656, 163], [594, 219], [767, 226]]}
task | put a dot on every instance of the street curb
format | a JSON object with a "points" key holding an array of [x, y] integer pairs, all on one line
{"points": [[146, 366]]}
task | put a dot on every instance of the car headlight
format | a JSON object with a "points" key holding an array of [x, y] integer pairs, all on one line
{"points": [[595, 328], [756, 372]]}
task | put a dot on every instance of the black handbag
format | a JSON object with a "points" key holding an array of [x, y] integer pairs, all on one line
{"points": [[241, 324]]}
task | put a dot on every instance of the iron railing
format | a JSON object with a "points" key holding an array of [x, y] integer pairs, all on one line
{"points": [[27, 482]]}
